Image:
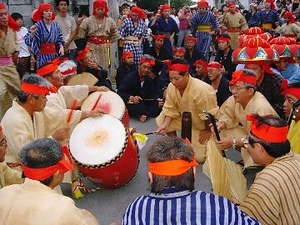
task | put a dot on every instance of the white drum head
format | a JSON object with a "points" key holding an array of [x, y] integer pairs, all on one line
{"points": [[110, 102], [98, 140]]}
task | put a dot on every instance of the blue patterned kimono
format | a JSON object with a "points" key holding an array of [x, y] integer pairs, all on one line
{"points": [[168, 27], [269, 17], [204, 38], [43, 35], [129, 29]]}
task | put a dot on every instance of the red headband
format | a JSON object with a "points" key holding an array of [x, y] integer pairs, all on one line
{"points": [[188, 38], [126, 54], [215, 65], [201, 62], [229, 4], [179, 50], [266, 132], [37, 14], [151, 61], [102, 5], [70, 71], [11, 22], [37, 89], [139, 11], [81, 54], [171, 168], [49, 68], [272, 3], [221, 38], [290, 16], [202, 4], [179, 67], [240, 76], [290, 90], [165, 7], [159, 36]]}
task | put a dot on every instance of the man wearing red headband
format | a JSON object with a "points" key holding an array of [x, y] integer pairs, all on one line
{"points": [[101, 31], [172, 171], [218, 82], [289, 28], [273, 198], [133, 31], [45, 38], [44, 165], [232, 123], [164, 24], [140, 91], [291, 107], [9, 79], [203, 24], [125, 68], [235, 23], [185, 93], [201, 70], [224, 54], [8, 176], [29, 119], [269, 18]]}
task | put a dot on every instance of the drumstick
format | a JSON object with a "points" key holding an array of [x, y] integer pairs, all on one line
{"points": [[149, 133], [73, 107], [96, 103]]}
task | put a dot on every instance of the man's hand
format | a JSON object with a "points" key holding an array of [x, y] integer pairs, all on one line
{"points": [[61, 134], [92, 113], [225, 143], [160, 102], [162, 130], [135, 99]]}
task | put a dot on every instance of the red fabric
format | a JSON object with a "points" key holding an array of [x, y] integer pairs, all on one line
{"points": [[215, 65], [223, 39], [240, 76], [159, 36], [2, 6], [49, 68], [37, 14], [11, 22], [272, 3], [188, 38], [144, 60], [36, 89], [231, 3], [165, 7], [266, 132], [179, 67], [202, 4], [126, 54], [139, 11], [81, 54], [102, 5], [290, 16], [0, 125], [290, 90], [201, 62], [178, 50]]}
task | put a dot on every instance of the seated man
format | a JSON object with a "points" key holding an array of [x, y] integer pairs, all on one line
{"points": [[7, 175], [201, 70], [140, 92], [273, 198], [125, 68], [44, 165], [172, 167]]}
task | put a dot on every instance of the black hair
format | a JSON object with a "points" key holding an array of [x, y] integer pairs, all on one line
{"points": [[58, 1], [16, 16]]}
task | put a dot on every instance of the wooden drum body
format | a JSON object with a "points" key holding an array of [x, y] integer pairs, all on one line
{"points": [[109, 102], [104, 151]]}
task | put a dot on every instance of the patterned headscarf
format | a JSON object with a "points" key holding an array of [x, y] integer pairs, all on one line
{"points": [[102, 5]]}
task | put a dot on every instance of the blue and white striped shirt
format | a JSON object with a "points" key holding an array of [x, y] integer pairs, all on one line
{"points": [[184, 207]]}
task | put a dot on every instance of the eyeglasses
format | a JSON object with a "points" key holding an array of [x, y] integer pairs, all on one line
{"points": [[236, 88], [3, 142]]}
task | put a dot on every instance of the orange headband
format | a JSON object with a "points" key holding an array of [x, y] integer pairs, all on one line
{"points": [[37, 14], [126, 54], [102, 5], [165, 7], [179, 67], [171, 168], [81, 54], [223, 39], [144, 60], [50, 68], [229, 4], [215, 65], [290, 90], [240, 76], [202, 4], [266, 132], [69, 71], [139, 11], [159, 36], [193, 39], [36, 89], [201, 62], [179, 50]]}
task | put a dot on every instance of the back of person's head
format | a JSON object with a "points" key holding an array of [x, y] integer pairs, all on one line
{"points": [[166, 159], [41, 153], [16, 16], [58, 1], [271, 132]]}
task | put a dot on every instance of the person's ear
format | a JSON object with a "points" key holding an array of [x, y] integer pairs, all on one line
{"points": [[150, 176]]}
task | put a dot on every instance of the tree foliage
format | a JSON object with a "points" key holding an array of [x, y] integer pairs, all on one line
{"points": [[153, 5]]}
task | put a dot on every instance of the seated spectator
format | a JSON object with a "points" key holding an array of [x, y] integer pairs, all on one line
{"points": [[44, 165], [125, 68], [201, 70], [173, 200], [273, 198], [140, 92]]}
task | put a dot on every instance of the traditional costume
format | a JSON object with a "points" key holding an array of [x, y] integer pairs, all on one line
{"points": [[9, 176]]}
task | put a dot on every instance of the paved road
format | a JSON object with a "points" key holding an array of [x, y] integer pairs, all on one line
{"points": [[108, 205]]}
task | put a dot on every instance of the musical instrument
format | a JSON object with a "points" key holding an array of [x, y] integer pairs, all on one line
{"points": [[109, 102], [292, 114], [104, 151], [82, 78]]}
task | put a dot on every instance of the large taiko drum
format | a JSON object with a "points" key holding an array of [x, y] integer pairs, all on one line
{"points": [[104, 151], [109, 102]]}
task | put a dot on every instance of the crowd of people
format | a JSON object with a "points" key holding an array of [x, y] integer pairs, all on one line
{"points": [[241, 67]]}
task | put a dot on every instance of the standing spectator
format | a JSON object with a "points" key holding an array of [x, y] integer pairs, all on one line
{"points": [[252, 16], [235, 24], [45, 37], [81, 42], [204, 24], [289, 28], [133, 31], [171, 172], [184, 15], [68, 27], [23, 65], [9, 79], [164, 24], [101, 31]]}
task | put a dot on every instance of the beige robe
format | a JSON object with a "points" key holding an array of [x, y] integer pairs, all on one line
{"points": [[234, 20], [35, 203], [9, 176], [232, 113], [198, 96], [90, 27], [289, 29]]}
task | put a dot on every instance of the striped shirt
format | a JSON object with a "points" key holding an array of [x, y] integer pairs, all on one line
{"points": [[184, 207], [274, 198]]}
